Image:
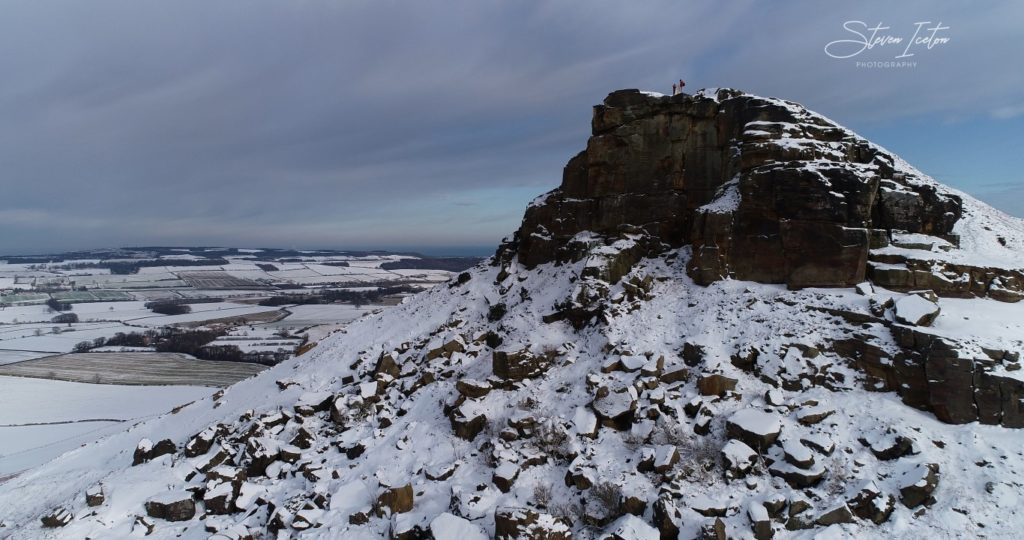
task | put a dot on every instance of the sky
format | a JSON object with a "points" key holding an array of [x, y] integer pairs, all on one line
{"points": [[430, 125]]}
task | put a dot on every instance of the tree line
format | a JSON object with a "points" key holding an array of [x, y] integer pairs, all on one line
{"points": [[332, 296], [194, 342]]}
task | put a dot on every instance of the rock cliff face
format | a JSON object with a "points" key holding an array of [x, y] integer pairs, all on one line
{"points": [[762, 189]]}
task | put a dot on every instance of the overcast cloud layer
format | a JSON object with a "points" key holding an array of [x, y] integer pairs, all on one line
{"points": [[422, 124]]}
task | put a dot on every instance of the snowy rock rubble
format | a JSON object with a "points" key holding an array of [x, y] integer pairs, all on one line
{"points": [[622, 369]]}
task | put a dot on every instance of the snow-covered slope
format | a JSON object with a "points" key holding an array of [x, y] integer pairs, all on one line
{"points": [[489, 407]]}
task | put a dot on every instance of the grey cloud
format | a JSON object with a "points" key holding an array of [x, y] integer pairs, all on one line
{"points": [[360, 122]]}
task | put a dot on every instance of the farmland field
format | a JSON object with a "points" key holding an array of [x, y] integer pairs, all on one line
{"points": [[217, 280], [133, 369], [53, 400], [93, 296], [41, 419]]}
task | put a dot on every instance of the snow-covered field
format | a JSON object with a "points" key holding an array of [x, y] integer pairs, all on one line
{"points": [[121, 311], [23, 337], [313, 314], [205, 312], [135, 368], [67, 415]]}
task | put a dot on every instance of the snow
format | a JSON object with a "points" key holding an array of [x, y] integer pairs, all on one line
{"points": [[40, 419], [981, 321], [738, 453], [630, 527], [726, 201], [633, 362], [507, 470], [585, 421], [757, 512], [450, 526]]}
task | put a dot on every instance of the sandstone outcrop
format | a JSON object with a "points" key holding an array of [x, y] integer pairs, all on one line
{"points": [[761, 188]]}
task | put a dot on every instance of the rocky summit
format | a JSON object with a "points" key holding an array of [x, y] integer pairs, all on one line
{"points": [[761, 189], [733, 319]]}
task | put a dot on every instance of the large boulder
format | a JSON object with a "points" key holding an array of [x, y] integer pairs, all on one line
{"points": [[630, 527], [146, 450], [59, 517], [616, 408], [519, 365], [396, 500], [715, 385], [871, 504], [738, 458], [94, 496], [756, 428], [918, 483], [915, 310], [172, 506]]}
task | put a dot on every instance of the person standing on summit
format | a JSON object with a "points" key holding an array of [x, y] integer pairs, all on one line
{"points": [[681, 85], [673, 89]]}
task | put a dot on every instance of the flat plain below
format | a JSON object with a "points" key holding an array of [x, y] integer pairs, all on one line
{"points": [[133, 368]]}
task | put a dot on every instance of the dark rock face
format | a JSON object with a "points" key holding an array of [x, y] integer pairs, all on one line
{"points": [[516, 366], [930, 374], [59, 517], [146, 450], [176, 507], [763, 190], [397, 500], [919, 484]]}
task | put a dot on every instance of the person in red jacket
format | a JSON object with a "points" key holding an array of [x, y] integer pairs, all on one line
{"points": [[681, 85]]}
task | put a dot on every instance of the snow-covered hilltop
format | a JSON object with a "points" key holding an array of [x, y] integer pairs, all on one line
{"points": [[734, 319]]}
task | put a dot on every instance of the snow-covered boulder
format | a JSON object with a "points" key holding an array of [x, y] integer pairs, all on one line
{"points": [[737, 458], [915, 310], [615, 408], [756, 428], [585, 422], [871, 504], [917, 484], [760, 521], [94, 496], [505, 475], [172, 506], [797, 454], [835, 515], [472, 388], [630, 527], [450, 526], [146, 450]]}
